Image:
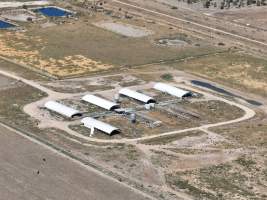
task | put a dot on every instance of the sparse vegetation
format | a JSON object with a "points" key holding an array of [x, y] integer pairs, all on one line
{"points": [[167, 77], [225, 68], [168, 139]]}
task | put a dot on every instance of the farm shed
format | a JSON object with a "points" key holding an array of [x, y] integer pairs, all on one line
{"points": [[174, 91], [62, 109], [103, 103], [102, 126], [136, 95]]}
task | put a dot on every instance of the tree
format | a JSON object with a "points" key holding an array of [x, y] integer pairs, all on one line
{"points": [[25, 7], [222, 5], [206, 4]]}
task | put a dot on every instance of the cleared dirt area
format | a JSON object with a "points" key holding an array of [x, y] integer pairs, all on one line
{"points": [[29, 171], [124, 29]]}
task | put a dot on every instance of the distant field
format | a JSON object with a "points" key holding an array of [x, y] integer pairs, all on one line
{"points": [[78, 47]]}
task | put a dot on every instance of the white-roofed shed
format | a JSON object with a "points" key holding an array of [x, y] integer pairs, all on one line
{"points": [[103, 103], [136, 95], [174, 91], [62, 109], [102, 126]]}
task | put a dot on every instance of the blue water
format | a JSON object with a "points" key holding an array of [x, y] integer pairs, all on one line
{"points": [[5, 25], [53, 12], [222, 91]]}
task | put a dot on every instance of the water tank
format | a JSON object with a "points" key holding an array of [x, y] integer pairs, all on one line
{"points": [[133, 118], [147, 106], [152, 105], [117, 98]]}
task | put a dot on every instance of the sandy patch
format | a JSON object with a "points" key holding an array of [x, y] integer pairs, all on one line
{"points": [[124, 29], [175, 42]]}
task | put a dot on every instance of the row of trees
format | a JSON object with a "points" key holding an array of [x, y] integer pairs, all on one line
{"points": [[227, 3], [233, 3]]}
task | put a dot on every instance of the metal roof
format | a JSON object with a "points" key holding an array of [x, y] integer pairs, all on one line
{"points": [[102, 126], [103, 103], [180, 93], [61, 109], [136, 95]]}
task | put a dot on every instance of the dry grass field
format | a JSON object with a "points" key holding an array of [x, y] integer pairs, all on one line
{"points": [[79, 47], [236, 70]]}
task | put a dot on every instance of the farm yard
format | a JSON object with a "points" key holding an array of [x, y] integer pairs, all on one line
{"points": [[158, 99]]}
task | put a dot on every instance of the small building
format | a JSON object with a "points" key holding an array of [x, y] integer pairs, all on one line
{"points": [[102, 126], [137, 95], [174, 91], [62, 109], [103, 103]]}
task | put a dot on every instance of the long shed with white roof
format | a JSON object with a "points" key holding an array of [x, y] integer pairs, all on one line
{"points": [[136, 95], [174, 91], [62, 109], [103, 103], [90, 123]]}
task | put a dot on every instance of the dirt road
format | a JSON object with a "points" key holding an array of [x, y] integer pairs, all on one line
{"points": [[32, 109], [33, 171]]}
